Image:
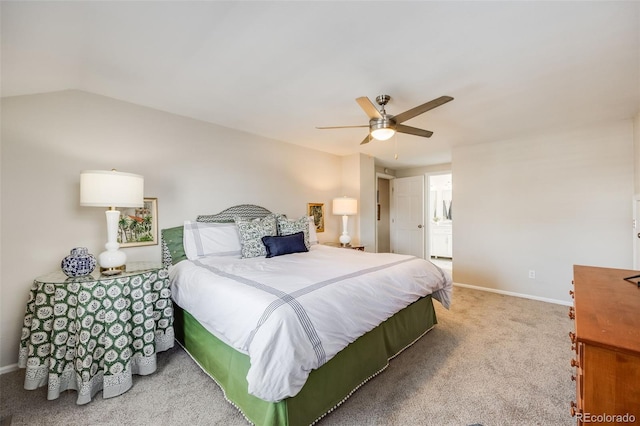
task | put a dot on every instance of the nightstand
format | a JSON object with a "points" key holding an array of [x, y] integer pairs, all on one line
{"points": [[353, 247], [94, 332]]}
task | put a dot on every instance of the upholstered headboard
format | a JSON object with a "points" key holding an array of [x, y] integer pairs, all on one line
{"points": [[245, 211], [171, 238]]}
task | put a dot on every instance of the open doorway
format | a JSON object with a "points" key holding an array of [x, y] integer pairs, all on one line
{"points": [[383, 218], [440, 220]]}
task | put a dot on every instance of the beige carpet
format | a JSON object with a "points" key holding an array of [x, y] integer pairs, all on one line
{"points": [[492, 360]]}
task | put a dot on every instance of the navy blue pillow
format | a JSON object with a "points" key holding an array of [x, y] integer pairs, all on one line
{"points": [[286, 244]]}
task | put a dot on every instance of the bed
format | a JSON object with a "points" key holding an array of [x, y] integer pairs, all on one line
{"points": [[288, 336]]}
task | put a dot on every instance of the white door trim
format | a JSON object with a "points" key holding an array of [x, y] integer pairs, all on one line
{"points": [[635, 230]]}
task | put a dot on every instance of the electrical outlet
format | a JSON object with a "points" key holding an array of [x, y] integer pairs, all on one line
{"points": [[532, 274]]}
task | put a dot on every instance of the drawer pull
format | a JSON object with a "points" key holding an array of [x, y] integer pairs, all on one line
{"points": [[575, 363]]}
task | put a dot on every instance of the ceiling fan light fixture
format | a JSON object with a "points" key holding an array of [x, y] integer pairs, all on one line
{"points": [[383, 134], [382, 129], [383, 126]]}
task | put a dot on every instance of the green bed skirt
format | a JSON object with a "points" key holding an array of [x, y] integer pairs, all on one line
{"points": [[326, 387]]}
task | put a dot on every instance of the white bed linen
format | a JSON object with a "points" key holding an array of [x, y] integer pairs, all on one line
{"points": [[291, 314]]}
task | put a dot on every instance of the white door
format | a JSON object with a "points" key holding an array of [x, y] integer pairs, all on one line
{"points": [[407, 216]]}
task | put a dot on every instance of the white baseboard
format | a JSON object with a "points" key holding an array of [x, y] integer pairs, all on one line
{"points": [[8, 369], [511, 293]]}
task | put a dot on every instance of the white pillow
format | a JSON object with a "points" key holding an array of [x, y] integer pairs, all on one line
{"points": [[313, 236], [203, 239]]}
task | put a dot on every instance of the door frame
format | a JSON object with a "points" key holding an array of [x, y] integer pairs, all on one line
{"points": [[427, 217]]}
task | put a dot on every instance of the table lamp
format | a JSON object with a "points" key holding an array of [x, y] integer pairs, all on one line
{"points": [[345, 206], [102, 188]]}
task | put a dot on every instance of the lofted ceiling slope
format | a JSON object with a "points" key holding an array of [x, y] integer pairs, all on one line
{"points": [[279, 69]]}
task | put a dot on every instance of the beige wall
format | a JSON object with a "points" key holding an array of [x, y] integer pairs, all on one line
{"points": [[367, 209], [543, 203], [358, 181], [350, 178], [191, 166], [419, 171]]}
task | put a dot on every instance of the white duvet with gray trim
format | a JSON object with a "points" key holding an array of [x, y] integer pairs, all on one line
{"points": [[293, 313]]}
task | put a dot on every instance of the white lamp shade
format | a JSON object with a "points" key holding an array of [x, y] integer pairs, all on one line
{"points": [[345, 206], [102, 188]]}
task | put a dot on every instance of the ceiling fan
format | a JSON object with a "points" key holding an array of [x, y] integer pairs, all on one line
{"points": [[383, 126]]}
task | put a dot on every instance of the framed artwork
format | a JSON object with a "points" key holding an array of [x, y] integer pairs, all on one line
{"points": [[317, 211], [138, 226]]}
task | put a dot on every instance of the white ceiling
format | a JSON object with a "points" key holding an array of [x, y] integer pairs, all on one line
{"points": [[279, 69]]}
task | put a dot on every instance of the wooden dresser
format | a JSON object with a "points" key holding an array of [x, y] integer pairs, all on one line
{"points": [[607, 345]]}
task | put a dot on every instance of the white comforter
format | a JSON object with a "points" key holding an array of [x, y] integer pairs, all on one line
{"points": [[293, 313]]}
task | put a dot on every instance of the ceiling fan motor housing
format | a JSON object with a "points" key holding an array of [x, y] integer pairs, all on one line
{"points": [[386, 122], [383, 99]]}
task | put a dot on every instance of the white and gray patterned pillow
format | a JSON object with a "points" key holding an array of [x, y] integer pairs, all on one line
{"points": [[251, 233], [289, 227]]}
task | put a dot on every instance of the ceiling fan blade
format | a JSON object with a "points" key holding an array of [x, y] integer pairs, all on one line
{"points": [[413, 131], [367, 139], [421, 109], [341, 127], [368, 107]]}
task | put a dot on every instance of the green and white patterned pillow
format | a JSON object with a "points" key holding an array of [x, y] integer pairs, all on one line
{"points": [[289, 227], [251, 233]]}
